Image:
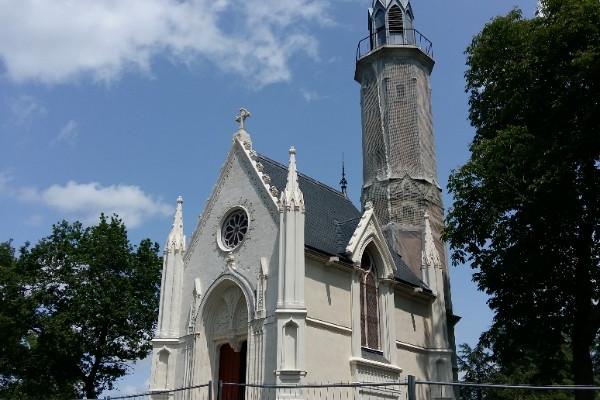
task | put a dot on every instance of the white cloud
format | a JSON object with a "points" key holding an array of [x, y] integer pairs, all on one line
{"points": [[56, 41], [310, 95], [68, 133], [24, 109], [85, 201], [88, 200]]}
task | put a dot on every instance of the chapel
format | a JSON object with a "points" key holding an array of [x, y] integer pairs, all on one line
{"points": [[286, 282]]}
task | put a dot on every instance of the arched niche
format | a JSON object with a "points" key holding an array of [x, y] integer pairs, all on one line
{"points": [[162, 369], [290, 345]]}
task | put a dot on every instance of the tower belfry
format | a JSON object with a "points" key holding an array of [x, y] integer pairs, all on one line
{"points": [[393, 68]]}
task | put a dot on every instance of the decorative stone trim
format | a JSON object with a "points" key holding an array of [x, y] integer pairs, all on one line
{"points": [[165, 341], [251, 155], [328, 326], [293, 372], [367, 231], [413, 347], [291, 311], [365, 370]]}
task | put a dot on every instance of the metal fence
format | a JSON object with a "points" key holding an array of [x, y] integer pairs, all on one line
{"points": [[248, 391], [336, 391], [197, 392], [411, 389], [478, 391]]}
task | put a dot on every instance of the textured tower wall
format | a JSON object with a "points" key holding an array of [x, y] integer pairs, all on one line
{"points": [[397, 118], [399, 164]]}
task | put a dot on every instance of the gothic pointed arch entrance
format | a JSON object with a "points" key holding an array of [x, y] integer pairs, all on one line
{"points": [[225, 320]]}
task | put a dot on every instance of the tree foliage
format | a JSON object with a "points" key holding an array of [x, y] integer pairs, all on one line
{"points": [[479, 365], [526, 206], [75, 308]]}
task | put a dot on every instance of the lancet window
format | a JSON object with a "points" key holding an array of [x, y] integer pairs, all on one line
{"points": [[369, 304], [395, 20]]}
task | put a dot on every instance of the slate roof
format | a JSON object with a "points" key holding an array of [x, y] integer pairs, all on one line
{"points": [[331, 218]]}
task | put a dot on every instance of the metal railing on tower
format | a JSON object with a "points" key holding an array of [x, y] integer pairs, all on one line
{"points": [[406, 38]]}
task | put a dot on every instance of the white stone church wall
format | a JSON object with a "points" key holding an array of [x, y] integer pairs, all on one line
{"points": [[206, 261], [328, 353], [329, 289], [412, 320], [329, 321]]}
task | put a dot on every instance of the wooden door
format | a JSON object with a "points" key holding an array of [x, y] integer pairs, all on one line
{"points": [[232, 369]]}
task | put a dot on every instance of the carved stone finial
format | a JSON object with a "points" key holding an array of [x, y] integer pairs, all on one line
{"points": [[292, 196], [242, 116], [368, 205], [176, 240]]}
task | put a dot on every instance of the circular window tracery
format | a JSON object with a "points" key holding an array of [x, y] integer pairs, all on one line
{"points": [[234, 229]]}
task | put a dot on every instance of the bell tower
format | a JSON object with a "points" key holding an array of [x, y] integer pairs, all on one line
{"points": [[393, 68]]}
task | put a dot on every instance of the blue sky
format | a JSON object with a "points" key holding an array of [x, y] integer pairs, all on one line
{"points": [[122, 106]]}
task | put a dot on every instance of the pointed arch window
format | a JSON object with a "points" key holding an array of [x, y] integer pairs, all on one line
{"points": [[395, 20], [369, 303], [396, 25]]}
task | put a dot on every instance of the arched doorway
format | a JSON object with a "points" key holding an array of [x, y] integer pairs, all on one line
{"points": [[225, 320]]}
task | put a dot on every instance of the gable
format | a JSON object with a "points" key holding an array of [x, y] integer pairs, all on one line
{"points": [[239, 186]]}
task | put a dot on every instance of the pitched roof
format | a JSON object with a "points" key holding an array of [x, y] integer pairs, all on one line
{"points": [[331, 218]]}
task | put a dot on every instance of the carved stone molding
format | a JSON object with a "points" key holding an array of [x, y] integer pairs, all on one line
{"points": [[364, 370]]}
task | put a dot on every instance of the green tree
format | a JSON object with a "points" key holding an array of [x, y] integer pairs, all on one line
{"points": [[526, 206], [478, 365], [91, 301]]}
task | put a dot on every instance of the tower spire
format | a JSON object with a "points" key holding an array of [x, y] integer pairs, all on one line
{"points": [[292, 196], [172, 277], [176, 241], [343, 181]]}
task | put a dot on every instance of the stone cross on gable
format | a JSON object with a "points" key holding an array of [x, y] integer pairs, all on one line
{"points": [[241, 117]]}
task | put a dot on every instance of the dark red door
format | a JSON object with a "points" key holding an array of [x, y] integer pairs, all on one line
{"points": [[232, 369]]}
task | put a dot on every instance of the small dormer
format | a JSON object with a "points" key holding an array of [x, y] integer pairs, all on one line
{"points": [[391, 22]]}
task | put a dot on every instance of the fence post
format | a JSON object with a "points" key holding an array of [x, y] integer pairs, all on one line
{"points": [[412, 392], [210, 389]]}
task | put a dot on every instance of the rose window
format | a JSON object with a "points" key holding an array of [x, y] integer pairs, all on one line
{"points": [[234, 229]]}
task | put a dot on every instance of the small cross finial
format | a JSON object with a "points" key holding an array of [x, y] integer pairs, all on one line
{"points": [[241, 117]]}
